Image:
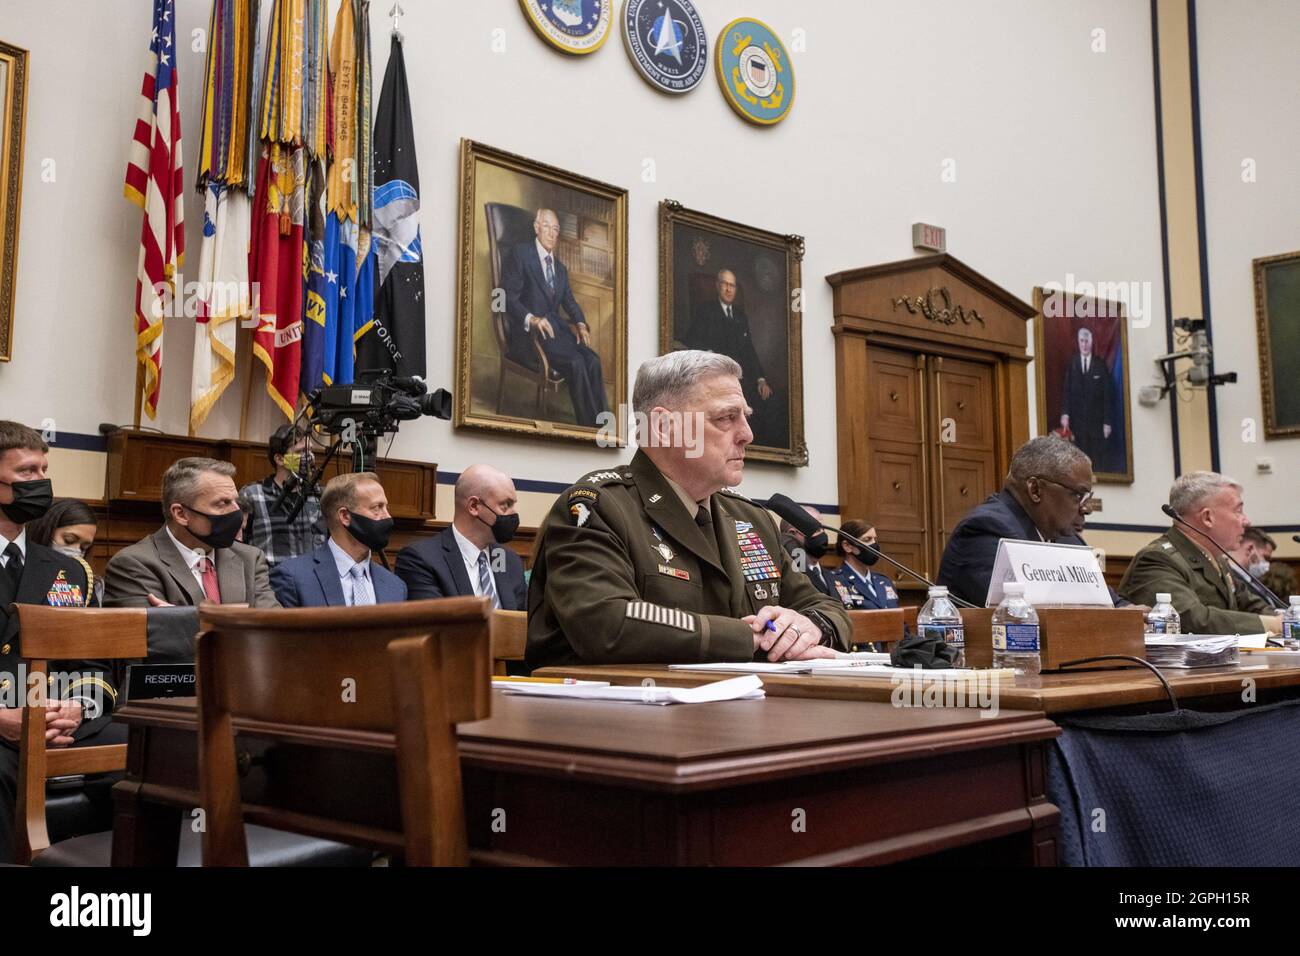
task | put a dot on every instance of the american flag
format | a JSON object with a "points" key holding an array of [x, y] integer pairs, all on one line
{"points": [[155, 183]]}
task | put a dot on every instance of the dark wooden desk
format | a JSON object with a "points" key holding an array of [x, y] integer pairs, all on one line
{"points": [[580, 782], [1275, 676]]}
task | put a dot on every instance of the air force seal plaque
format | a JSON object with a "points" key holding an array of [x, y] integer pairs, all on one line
{"points": [[667, 43], [571, 26], [755, 71]]}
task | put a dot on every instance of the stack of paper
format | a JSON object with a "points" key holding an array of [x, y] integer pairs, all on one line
{"points": [[737, 688], [856, 659], [1191, 650]]}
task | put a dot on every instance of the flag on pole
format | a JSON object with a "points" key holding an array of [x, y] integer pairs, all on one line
{"points": [[395, 337], [155, 183], [316, 123], [224, 295]]}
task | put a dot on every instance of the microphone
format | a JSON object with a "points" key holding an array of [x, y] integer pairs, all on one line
{"points": [[807, 525], [1169, 510], [1296, 538]]}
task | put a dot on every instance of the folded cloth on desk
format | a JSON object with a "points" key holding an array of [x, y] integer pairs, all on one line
{"points": [[786, 667], [916, 650], [1191, 650], [748, 687]]}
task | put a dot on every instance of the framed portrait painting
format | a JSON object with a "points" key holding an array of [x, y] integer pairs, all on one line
{"points": [[13, 113], [1277, 321], [541, 332], [1081, 363], [737, 290]]}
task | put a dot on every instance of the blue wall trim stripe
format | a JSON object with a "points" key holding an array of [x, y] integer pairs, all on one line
{"points": [[79, 442]]}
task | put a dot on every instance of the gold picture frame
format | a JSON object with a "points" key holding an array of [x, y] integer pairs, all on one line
{"points": [[1106, 319], [510, 378], [13, 103], [695, 248], [1277, 314]]}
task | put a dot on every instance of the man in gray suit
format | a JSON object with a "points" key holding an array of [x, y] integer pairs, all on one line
{"points": [[193, 557]]}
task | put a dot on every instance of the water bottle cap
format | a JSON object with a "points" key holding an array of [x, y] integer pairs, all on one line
{"points": [[1014, 588], [938, 591], [1295, 600], [1162, 598]]}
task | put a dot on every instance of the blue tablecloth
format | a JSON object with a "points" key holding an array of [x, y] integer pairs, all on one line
{"points": [[1179, 789]]}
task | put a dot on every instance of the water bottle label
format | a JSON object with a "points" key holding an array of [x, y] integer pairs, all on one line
{"points": [[1291, 630], [1156, 627], [954, 634], [1016, 638]]}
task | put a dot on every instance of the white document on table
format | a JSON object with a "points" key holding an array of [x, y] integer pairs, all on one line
{"points": [[857, 658], [850, 669], [748, 687]]}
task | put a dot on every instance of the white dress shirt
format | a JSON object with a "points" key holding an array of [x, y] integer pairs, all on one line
{"points": [[344, 562], [193, 557], [469, 553]]}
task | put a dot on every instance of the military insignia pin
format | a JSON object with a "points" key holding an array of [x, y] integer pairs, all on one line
{"points": [[667, 43], [760, 592], [571, 26], [755, 71]]}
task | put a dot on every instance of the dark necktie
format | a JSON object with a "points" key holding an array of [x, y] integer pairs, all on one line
{"points": [[14, 566], [550, 273]]}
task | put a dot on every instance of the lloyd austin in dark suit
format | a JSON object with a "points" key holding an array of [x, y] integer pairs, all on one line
{"points": [[1085, 402], [540, 302]]}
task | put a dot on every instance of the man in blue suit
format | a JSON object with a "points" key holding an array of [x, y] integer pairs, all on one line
{"points": [[1046, 497], [341, 574], [467, 558], [537, 290]]}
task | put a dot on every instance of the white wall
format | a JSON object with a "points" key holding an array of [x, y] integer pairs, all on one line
{"points": [[1054, 145], [1250, 83]]}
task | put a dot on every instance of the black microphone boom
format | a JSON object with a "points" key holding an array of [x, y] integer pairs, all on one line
{"points": [[1169, 510], [1296, 538], [806, 525]]}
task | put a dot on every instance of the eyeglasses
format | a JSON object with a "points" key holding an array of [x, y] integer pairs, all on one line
{"points": [[1081, 498]]}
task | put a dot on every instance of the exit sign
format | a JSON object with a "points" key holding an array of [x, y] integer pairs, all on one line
{"points": [[928, 237]]}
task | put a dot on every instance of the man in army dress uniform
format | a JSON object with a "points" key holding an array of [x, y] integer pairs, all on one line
{"points": [[33, 574], [658, 561], [1187, 567]]}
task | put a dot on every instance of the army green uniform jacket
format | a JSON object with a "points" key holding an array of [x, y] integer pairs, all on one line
{"points": [[623, 574], [1201, 590]]}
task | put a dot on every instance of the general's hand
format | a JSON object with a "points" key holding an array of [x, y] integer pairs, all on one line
{"points": [[1272, 623], [543, 326], [62, 718], [11, 723], [155, 601], [1105, 431], [584, 333], [793, 635], [764, 390]]}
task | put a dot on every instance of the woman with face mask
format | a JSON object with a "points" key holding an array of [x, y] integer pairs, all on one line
{"points": [[858, 587], [69, 527]]}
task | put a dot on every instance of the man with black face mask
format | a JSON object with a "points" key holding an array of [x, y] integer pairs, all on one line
{"points": [[194, 556], [807, 552], [341, 572], [467, 558], [33, 574]]}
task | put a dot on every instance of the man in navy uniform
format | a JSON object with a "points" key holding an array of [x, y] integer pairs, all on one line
{"points": [[537, 291], [857, 586], [33, 574]]}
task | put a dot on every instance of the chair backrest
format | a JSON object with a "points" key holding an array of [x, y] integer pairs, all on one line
{"points": [[325, 677], [881, 625], [64, 634], [509, 638], [506, 226]]}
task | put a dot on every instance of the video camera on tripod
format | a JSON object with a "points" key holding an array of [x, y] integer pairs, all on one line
{"points": [[358, 414]]}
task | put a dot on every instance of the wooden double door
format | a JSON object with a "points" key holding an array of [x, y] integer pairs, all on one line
{"points": [[933, 449]]}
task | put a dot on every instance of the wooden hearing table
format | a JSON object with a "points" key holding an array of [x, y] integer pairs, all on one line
{"points": [[740, 783]]}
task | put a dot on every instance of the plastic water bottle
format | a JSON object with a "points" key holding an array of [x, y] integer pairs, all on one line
{"points": [[1015, 632], [1163, 619], [1291, 620], [939, 619]]}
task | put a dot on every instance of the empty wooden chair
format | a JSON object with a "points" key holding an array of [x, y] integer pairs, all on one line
{"points": [[357, 677], [509, 638]]}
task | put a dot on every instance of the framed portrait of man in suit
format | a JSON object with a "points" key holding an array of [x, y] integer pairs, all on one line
{"points": [[13, 116], [541, 332], [737, 290], [1081, 366]]}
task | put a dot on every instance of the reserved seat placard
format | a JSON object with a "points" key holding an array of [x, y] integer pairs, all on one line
{"points": [[1051, 574]]}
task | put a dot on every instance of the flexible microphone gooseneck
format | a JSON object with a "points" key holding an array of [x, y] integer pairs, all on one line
{"points": [[807, 525], [1169, 510], [1296, 538]]}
